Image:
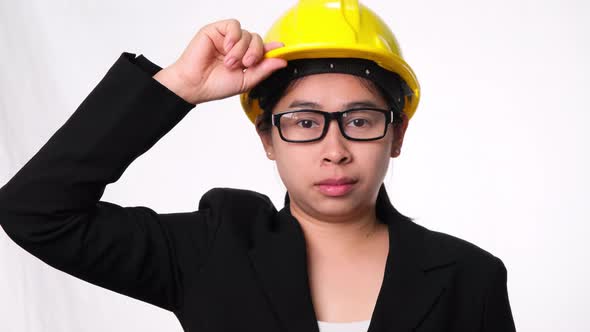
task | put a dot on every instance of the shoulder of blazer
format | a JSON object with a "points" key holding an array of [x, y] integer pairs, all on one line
{"points": [[235, 199], [238, 209], [480, 277], [467, 255]]}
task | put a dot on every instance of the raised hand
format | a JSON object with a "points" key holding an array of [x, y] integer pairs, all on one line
{"points": [[220, 61]]}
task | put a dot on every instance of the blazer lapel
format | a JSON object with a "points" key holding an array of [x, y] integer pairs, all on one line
{"points": [[417, 271], [279, 257]]}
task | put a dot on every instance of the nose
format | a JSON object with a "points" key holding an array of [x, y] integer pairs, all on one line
{"points": [[335, 146]]}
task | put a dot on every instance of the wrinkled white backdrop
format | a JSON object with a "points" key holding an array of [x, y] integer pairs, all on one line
{"points": [[497, 153]]}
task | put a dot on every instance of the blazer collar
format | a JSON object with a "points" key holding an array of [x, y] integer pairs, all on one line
{"points": [[417, 271]]}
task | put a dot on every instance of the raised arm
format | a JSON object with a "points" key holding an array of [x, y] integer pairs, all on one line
{"points": [[52, 206]]}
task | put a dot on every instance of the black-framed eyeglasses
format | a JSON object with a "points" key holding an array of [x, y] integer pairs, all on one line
{"points": [[356, 124]]}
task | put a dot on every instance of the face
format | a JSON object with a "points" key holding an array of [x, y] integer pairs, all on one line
{"points": [[332, 178]]}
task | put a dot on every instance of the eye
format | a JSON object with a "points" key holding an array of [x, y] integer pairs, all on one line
{"points": [[306, 123], [358, 123]]}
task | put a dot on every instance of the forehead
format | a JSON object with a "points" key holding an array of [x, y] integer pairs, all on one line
{"points": [[332, 90]]}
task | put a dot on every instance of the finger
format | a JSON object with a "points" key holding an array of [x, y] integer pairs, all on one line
{"points": [[224, 34], [232, 30], [272, 45], [235, 55], [255, 51], [255, 74]]}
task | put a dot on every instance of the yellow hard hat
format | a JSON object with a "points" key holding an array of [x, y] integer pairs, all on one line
{"points": [[336, 29]]}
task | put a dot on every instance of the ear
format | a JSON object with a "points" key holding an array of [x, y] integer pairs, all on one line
{"points": [[399, 131], [266, 140]]}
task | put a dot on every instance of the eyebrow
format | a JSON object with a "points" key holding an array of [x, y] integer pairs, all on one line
{"points": [[314, 105]]}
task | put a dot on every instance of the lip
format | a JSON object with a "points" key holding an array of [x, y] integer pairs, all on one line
{"points": [[335, 187], [337, 181]]}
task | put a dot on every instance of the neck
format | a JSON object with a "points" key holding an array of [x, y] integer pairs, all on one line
{"points": [[341, 236]]}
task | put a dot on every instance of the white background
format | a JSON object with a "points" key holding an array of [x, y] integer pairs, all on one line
{"points": [[497, 153]]}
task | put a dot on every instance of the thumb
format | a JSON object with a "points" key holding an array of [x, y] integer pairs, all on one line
{"points": [[255, 74]]}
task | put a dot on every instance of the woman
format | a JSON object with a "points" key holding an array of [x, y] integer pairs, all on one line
{"points": [[337, 257]]}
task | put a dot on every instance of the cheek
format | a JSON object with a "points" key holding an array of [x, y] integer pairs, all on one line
{"points": [[292, 161], [374, 159]]}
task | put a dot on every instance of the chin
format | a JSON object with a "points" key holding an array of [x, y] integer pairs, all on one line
{"points": [[340, 206]]}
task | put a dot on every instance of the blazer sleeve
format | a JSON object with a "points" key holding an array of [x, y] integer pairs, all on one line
{"points": [[497, 312], [51, 207]]}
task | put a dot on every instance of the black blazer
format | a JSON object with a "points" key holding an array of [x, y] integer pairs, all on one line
{"points": [[236, 264]]}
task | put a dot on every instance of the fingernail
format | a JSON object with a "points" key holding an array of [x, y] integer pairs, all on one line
{"points": [[249, 60], [230, 61], [228, 45]]}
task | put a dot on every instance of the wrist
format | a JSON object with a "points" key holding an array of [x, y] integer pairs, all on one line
{"points": [[171, 80]]}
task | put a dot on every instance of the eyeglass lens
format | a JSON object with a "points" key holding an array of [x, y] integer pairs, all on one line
{"points": [[309, 125]]}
